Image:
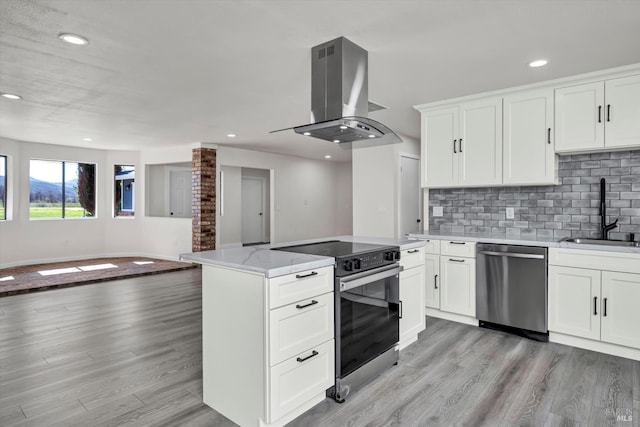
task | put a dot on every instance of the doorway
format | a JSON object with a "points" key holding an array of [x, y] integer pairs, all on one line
{"points": [[410, 215], [245, 193], [253, 190]]}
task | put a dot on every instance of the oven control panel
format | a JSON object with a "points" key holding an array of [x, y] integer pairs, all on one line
{"points": [[368, 261]]}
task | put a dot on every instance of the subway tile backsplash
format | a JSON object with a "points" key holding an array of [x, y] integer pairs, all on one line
{"points": [[569, 209]]}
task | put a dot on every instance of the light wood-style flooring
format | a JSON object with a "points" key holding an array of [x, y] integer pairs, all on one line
{"points": [[128, 352]]}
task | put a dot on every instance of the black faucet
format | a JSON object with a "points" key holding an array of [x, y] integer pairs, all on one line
{"points": [[604, 227]]}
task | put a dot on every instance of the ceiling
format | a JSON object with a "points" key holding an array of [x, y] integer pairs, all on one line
{"points": [[170, 72]]}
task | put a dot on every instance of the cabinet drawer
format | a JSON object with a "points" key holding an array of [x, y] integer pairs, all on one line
{"points": [[291, 288], [624, 262], [432, 247], [295, 328], [300, 378], [410, 258], [458, 248]]}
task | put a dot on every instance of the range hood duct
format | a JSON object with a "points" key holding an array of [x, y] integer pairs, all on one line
{"points": [[340, 98]]}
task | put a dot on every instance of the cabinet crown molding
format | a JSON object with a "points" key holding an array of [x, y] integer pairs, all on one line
{"points": [[547, 84]]}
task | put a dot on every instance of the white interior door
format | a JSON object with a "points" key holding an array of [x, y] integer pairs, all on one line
{"points": [[180, 193], [410, 216], [252, 210]]}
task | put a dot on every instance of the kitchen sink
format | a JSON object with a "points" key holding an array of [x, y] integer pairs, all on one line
{"points": [[603, 242]]}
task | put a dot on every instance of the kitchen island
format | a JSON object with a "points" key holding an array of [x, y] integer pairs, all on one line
{"points": [[268, 328]]}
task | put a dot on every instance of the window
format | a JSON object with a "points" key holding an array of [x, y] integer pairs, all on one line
{"points": [[124, 194], [3, 188], [61, 189]]}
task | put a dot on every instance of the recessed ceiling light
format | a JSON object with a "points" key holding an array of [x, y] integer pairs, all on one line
{"points": [[336, 140], [343, 127], [73, 39], [11, 96], [372, 136], [306, 133], [327, 156], [87, 139], [231, 135], [538, 63]]}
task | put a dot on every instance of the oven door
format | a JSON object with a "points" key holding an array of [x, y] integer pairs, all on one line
{"points": [[367, 317]]}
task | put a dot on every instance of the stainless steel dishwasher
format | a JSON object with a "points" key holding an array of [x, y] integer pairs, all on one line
{"points": [[511, 289]]}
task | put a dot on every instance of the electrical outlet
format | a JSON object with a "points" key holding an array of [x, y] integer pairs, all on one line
{"points": [[510, 213], [438, 211]]}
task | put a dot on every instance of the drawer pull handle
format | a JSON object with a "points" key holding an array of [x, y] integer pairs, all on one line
{"points": [[595, 306], [435, 281], [605, 307], [458, 243], [413, 251], [313, 302], [548, 135], [302, 359], [302, 276], [456, 260], [400, 309]]}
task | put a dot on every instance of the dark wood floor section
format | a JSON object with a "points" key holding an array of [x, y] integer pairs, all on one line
{"points": [[128, 352], [26, 278]]}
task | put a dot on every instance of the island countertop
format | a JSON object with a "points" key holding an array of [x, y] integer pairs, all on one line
{"points": [[259, 259], [262, 259]]}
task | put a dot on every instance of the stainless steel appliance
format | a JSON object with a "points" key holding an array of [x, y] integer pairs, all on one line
{"points": [[339, 98], [367, 310], [511, 289]]}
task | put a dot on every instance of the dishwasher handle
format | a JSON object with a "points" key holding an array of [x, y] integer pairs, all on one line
{"points": [[511, 255]]}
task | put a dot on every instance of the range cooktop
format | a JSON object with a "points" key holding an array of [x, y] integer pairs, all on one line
{"points": [[351, 257], [335, 248]]}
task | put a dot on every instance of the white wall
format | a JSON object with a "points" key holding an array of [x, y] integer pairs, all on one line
{"points": [[230, 215], [376, 172], [310, 198], [305, 193]]}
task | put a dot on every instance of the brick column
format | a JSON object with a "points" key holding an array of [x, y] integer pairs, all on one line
{"points": [[203, 187]]}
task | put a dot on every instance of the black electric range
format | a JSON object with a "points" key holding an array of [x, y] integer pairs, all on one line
{"points": [[351, 257]]}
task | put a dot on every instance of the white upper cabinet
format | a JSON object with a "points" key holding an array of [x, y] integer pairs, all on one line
{"points": [[440, 132], [622, 112], [463, 145], [480, 143], [599, 115], [528, 149], [511, 136]]}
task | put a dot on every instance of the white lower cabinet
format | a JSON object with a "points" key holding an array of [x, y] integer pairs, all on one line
{"points": [[432, 281], [298, 379], [268, 343], [296, 327], [450, 280], [458, 290], [574, 301], [412, 280], [590, 305], [621, 299]]}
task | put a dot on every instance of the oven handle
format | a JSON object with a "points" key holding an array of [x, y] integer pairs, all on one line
{"points": [[369, 277]]}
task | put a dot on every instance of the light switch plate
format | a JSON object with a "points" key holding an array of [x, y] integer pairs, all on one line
{"points": [[438, 211], [510, 213]]}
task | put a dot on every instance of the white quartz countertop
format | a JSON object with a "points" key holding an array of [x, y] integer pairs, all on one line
{"points": [[503, 239], [261, 259]]}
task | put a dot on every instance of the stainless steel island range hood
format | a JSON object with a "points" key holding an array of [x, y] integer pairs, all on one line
{"points": [[339, 98]]}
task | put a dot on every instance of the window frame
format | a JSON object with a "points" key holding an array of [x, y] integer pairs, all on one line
{"points": [[123, 213], [3, 197], [63, 202]]}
